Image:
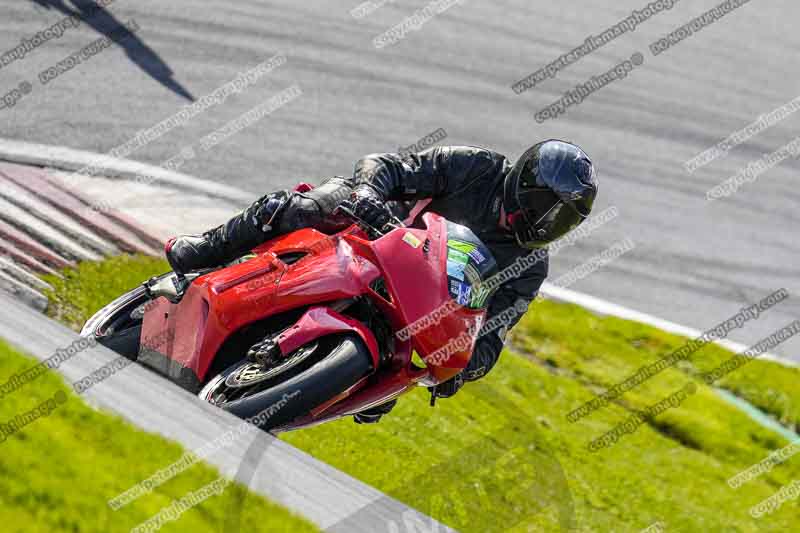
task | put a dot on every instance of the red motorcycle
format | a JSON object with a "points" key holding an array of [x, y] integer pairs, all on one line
{"points": [[312, 327]]}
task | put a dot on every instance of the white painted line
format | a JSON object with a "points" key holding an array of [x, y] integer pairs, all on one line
{"points": [[328, 497], [607, 308], [318, 508], [70, 159], [64, 158], [292, 478]]}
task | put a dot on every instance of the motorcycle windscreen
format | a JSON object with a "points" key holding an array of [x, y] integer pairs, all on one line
{"points": [[416, 263], [470, 265]]}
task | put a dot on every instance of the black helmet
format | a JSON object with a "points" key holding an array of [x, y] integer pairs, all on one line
{"points": [[548, 192]]}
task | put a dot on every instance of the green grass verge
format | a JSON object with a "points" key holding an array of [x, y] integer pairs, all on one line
{"points": [[502, 454], [88, 287], [58, 473]]}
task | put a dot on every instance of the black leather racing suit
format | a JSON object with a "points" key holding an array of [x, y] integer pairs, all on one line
{"points": [[466, 184], [466, 187]]}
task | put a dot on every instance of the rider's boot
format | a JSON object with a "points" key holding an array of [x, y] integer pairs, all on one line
{"points": [[228, 241], [374, 414], [268, 217]]}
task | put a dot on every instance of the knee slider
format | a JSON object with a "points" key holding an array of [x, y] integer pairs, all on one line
{"points": [[268, 208]]}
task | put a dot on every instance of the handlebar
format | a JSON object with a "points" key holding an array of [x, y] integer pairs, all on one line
{"points": [[373, 231], [173, 286]]}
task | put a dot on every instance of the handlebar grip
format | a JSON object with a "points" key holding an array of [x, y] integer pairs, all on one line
{"points": [[372, 231]]}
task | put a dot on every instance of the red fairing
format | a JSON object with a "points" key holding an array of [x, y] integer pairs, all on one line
{"points": [[418, 285], [412, 263], [222, 302], [321, 321]]}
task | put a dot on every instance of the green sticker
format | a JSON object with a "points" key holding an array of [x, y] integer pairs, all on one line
{"points": [[479, 295], [461, 246], [473, 276], [457, 256]]}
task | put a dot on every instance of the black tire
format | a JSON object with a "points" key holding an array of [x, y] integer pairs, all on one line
{"points": [[118, 325], [345, 360], [125, 342]]}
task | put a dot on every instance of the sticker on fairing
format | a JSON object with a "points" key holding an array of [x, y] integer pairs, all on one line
{"points": [[473, 276], [464, 291], [457, 256], [469, 264], [455, 270], [479, 295], [477, 256], [456, 261], [461, 246], [411, 239], [454, 285]]}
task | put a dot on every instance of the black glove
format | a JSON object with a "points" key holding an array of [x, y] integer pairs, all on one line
{"points": [[367, 204], [449, 387]]}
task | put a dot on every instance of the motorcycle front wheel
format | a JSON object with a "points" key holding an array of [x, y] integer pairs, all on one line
{"points": [[301, 381]]}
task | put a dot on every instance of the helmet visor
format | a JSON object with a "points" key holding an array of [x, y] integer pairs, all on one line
{"points": [[544, 219]]}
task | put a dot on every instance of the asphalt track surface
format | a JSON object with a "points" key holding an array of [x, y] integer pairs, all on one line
{"points": [[695, 262]]}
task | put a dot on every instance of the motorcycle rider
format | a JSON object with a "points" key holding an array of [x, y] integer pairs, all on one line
{"points": [[512, 208]]}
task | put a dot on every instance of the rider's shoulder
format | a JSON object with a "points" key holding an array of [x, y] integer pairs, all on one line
{"points": [[471, 151]]}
